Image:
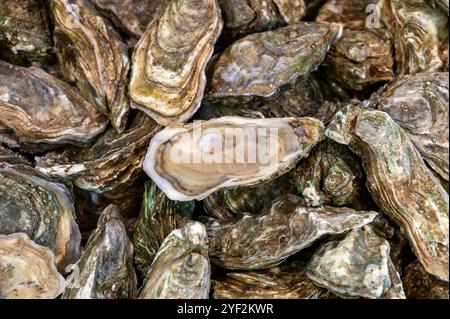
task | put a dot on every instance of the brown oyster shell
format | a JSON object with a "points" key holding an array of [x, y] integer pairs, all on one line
{"points": [[351, 13], [419, 284], [399, 182], [27, 270], [91, 53], [44, 112], [168, 75], [281, 230]]}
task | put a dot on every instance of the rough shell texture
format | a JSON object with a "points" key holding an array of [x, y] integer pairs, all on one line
{"points": [[181, 269], [105, 269], [168, 75], [399, 182], [281, 230], [91, 53], [27, 270], [419, 284]]}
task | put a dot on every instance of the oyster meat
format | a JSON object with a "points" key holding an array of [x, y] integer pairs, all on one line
{"points": [[419, 284]]}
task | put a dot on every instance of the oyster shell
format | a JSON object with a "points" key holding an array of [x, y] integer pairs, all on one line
{"points": [[281, 230], [91, 53], [27, 270], [419, 284], [44, 112], [24, 32], [168, 75], [8, 156], [113, 162], [444, 4], [105, 269], [351, 13], [181, 269], [357, 266], [260, 64], [399, 182], [159, 217], [419, 104], [40, 208], [192, 161]]}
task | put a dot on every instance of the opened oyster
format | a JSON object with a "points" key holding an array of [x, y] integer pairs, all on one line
{"points": [[27, 270], [419, 284], [168, 75], [181, 268], [192, 161]]}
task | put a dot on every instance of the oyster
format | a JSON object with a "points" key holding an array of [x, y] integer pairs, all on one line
{"points": [[113, 162], [419, 104], [260, 64], [284, 282], [181, 269], [352, 13], [8, 156], [357, 266], [444, 4], [24, 32], [399, 182], [159, 217], [105, 269], [44, 112], [281, 230], [132, 16], [419, 284], [168, 75], [91, 53], [192, 161], [27, 270], [40, 208]]}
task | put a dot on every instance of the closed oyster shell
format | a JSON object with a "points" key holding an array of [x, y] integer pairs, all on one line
{"points": [[159, 217], [113, 162], [105, 269], [168, 75], [260, 64], [351, 13], [27, 270], [91, 53], [42, 209], [399, 182], [281, 230], [44, 112], [357, 266], [181, 269], [419, 284], [179, 157]]}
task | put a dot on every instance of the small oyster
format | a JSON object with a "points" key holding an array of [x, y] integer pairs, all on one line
{"points": [[352, 13], [181, 269], [419, 284], [357, 266], [27, 270], [260, 64], [168, 75], [159, 217], [114, 162], [284, 282], [132, 16], [24, 32], [192, 161], [105, 269], [419, 104], [44, 112], [399, 182], [91, 53], [281, 230], [42, 209]]}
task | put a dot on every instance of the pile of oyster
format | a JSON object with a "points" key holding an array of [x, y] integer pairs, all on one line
{"points": [[129, 166]]}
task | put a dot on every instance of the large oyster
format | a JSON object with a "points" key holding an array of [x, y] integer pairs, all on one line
{"points": [[281, 230], [44, 112], [181, 269], [91, 53], [419, 284], [42, 209], [168, 75], [27, 270], [105, 269], [399, 182], [192, 161], [159, 217], [113, 162], [357, 266]]}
